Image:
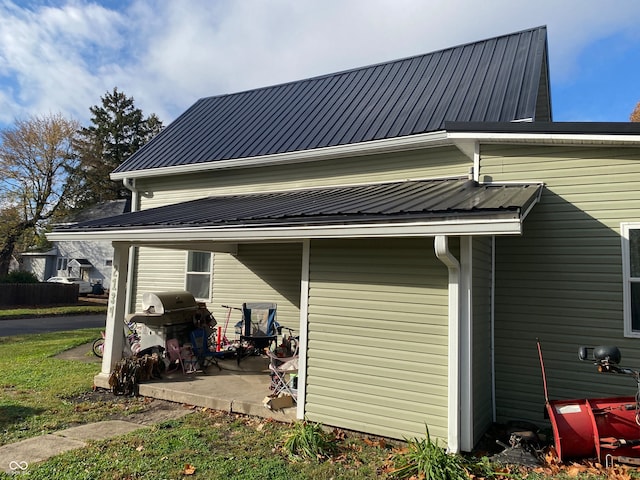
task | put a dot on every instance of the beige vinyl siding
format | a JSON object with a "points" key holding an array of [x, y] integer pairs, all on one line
{"points": [[378, 330], [561, 281], [259, 273], [158, 270], [435, 163], [481, 308]]}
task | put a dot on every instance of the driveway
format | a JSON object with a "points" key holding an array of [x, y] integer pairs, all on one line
{"points": [[51, 324]]}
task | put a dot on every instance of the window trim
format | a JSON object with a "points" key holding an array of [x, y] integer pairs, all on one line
{"points": [[625, 228], [188, 272], [62, 261]]}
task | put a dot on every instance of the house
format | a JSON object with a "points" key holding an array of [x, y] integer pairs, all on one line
{"points": [[90, 260], [422, 222]]}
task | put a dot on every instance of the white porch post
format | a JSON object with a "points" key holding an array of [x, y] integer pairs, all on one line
{"points": [[304, 326], [466, 344], [116, 311]]}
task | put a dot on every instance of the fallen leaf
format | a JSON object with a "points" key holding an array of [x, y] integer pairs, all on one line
{"points": [[140, 448], [189, 469]]}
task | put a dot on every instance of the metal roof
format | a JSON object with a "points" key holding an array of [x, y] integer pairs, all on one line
{"points": [[384, 203], [501, 79], [571, 128]]}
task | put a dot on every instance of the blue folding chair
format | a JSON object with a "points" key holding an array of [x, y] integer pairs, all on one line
{"points": [[258, 328], [200, 345]]}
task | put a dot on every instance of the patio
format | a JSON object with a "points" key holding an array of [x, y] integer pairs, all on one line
{"points": [[235, 389]]}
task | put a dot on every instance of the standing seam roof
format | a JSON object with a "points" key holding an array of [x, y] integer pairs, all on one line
{"points": [[390, 202], [494, 80]]}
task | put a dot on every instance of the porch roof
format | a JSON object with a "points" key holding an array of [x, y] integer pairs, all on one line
{"points": [[409, 208]]}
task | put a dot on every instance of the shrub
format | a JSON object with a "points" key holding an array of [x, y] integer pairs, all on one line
{"points": [[19, 277]]}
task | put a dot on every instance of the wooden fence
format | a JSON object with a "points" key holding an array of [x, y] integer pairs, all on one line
{"points": [[37, 294]]}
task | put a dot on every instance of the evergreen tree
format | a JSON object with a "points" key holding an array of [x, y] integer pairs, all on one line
{"points": [[118, 129]]}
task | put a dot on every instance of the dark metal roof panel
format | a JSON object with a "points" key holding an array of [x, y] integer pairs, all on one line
{"points": [[388, 202], [572, 128], [492, 80]]}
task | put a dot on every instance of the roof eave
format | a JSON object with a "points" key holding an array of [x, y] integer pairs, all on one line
{"points": [[499, 225], [387, 145], [550, 133]]}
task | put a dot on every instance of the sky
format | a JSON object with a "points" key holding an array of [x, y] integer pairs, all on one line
{"points": [[61, 56]]}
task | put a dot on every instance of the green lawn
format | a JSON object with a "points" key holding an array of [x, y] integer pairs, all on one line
{"points": [[31, 312], [40, 393]]}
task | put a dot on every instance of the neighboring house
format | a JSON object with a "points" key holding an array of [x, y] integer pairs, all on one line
{"points": [[90, 260], [42, 263], [423, 221]]}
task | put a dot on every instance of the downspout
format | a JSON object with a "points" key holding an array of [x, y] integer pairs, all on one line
{"points": [[493, 328], [441, 247], [130, 184]]}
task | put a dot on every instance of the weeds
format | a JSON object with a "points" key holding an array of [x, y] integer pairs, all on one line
{"points": [[308, 441], [424, 458]]}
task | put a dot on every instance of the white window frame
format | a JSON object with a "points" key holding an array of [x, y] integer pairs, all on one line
{"points": [[209, 274], [627, 279], [62, 261]]}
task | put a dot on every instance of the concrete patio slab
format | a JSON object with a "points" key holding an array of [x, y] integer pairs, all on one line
{"points": [[235, 388]]}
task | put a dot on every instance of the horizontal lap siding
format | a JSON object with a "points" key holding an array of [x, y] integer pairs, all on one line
{"points": [[437, 163], [159, 270], [259, 273], [562, 280], [377, 352]]}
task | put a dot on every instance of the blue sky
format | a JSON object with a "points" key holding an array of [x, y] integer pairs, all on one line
{"points": [[63, 55]]}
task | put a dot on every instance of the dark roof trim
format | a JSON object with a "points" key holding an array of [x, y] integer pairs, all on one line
{"points": [[387, 205], [569, 128]]}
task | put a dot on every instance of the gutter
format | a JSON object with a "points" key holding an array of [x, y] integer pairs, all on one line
{"points": [[441, 247], [398, 144]]}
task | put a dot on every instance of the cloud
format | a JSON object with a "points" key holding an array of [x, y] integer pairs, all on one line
{"points": [[63, 55]]}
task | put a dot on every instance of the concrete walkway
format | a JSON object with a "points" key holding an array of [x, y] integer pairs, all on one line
{"points": [[17, 457], [235, 389]]}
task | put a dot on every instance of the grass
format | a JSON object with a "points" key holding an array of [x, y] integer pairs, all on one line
{"points": [[424, 457], [40, 394], [36, 389], [209, 445], [31, 312], [308, 441]]}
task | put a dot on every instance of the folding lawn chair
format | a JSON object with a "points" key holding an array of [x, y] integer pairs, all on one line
{"points": [[173, 350], [283, 371], [201, 350], [258, 328]]}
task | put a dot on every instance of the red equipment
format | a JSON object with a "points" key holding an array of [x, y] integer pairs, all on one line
{"points": [[596, 427]]}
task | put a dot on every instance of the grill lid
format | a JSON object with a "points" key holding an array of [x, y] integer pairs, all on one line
{"points": [[161, 303]]}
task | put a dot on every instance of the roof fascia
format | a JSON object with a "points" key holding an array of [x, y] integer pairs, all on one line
{"points": [[463, 139], [388, 145], [495, 226]]}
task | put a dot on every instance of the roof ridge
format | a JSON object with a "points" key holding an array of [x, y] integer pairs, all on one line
{"points": [[373, 65]]}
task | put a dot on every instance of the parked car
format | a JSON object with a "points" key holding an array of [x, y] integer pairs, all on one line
{"points": [[83, 285]]}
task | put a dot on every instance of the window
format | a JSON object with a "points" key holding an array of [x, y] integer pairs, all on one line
{"points": [[631, 272], [198, 276], [62, 264], [108, 263]]}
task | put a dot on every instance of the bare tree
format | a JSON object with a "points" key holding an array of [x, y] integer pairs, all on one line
{"points": [[635, 115], [36, 156]]}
